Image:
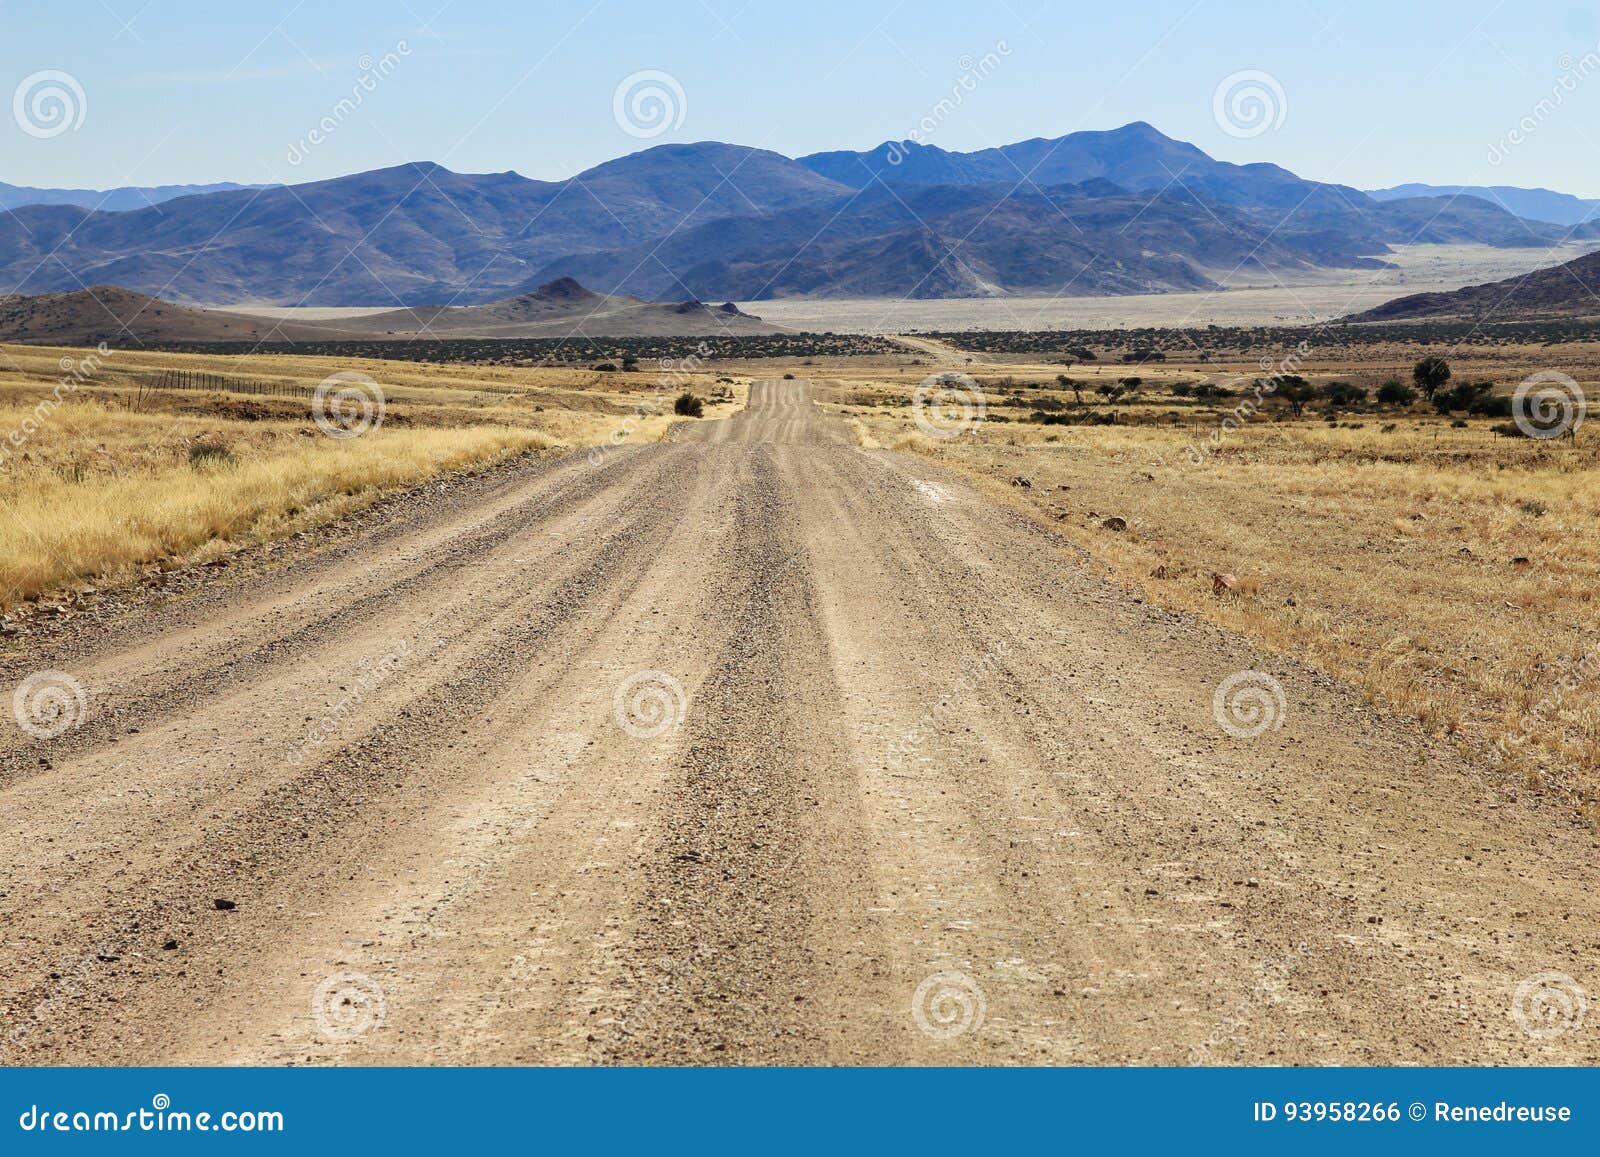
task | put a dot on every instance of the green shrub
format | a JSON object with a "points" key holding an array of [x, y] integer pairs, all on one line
{"points": [[689, 406], [1394, 392]]}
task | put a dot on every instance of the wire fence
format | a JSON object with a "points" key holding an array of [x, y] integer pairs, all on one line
{"points": [[201, 380]]}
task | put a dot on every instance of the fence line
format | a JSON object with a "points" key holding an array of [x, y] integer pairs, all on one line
{"points": [[202, 380]]}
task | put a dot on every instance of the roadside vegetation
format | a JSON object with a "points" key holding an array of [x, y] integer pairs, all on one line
{"points": [[1405, 544], [106, 474]]}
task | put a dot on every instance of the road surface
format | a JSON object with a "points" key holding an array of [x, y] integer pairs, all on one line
{"points": [[757, 747]]}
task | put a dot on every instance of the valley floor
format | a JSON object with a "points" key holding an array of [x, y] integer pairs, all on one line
{"points": [[1249, 298]]}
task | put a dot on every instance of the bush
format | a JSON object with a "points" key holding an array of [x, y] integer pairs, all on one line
{"points": [[689, 406], [1345, 394], [1394, 392], [1475, 398], [207, 454]]}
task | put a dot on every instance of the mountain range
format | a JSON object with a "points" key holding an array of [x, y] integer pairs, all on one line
{"points": [[1533, 204], [111, 200], [1128, 210]]}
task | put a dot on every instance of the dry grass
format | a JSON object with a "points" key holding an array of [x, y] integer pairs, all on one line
{"points": [[118, 477], [1386, 554]]}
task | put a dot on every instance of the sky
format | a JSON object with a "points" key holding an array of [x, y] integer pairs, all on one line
{"points": [[148, 92]]}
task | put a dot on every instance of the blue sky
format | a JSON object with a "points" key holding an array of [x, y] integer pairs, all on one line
{"points": [[1371, 93]]}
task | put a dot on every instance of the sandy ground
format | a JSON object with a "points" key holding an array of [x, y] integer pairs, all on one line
{"points": [[1298, 297], [755, 747], [1303, 297]]}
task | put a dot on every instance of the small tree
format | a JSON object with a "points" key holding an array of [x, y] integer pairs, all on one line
{"points": [[1297, 392], [688, 405], [1394, 392], [1430, 374], [1067, 383]]}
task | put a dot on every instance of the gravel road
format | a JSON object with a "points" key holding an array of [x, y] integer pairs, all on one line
{"points": [[751, 747]]}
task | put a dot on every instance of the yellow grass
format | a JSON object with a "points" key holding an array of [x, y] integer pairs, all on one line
{"points": [[100, 524], [110, 476], [1384, 557]]}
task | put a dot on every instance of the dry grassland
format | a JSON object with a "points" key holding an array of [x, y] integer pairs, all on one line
{"points": [[102, 475], [1450, 571]]}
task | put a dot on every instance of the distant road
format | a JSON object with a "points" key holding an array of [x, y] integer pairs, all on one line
{"points": [[942, 354], [919, 786]]}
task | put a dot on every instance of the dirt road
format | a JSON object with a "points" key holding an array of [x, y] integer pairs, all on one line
{"points": [[753, 748]]}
